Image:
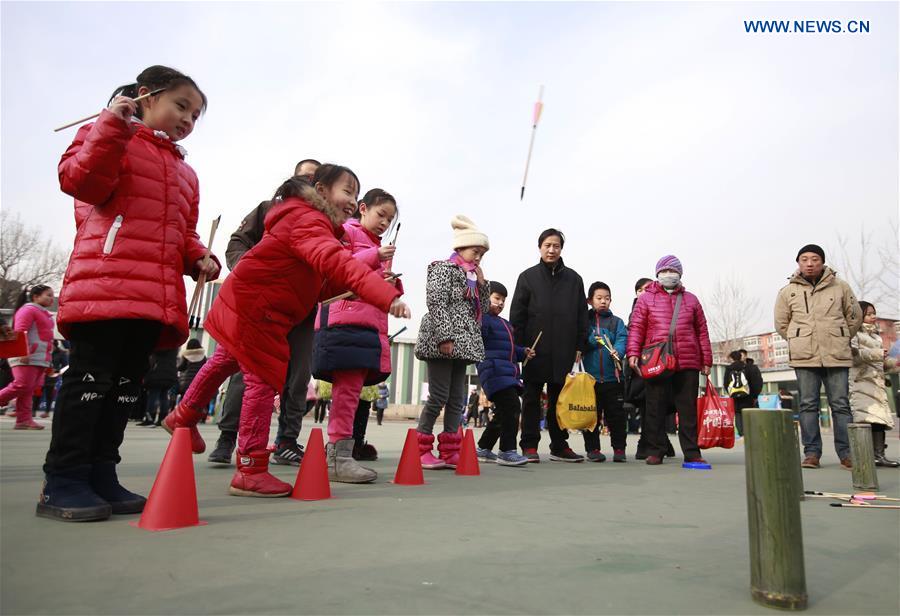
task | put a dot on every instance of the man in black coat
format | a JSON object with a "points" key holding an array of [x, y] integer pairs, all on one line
{"points": [[549, 299]]}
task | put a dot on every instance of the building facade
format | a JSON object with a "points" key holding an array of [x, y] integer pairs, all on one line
{"points": [[770, 351]]}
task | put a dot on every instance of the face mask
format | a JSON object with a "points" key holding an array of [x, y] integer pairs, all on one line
{"points": [[668, 280]]}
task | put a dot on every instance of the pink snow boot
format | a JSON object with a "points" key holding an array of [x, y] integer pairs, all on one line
{"points": [[426, 443], [448, 446]]}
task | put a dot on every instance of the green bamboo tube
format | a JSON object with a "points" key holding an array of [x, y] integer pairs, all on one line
{"points": [[774, 491], [862, 454]]}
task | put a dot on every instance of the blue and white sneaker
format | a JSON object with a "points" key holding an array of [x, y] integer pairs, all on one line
{"points": [[485, 455], [511, 458]]}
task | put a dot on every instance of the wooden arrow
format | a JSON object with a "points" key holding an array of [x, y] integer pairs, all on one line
{"points": [[91, 117]]}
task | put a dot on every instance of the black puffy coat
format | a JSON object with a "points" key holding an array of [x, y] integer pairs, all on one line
{"points": [[188, 366], [162, 373], [634, 384], [755, 378], [552, 301]]}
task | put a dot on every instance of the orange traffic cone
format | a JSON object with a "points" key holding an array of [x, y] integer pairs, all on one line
{"points": [[312, 478], [409, 471], [468, 460], [173, 498]]}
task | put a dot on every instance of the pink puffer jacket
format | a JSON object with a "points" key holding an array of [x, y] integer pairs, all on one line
{"points": [[650, 324], [364, 247], [37, 324]]}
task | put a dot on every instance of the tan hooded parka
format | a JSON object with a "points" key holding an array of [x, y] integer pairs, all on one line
{"points": [[818, 321]]}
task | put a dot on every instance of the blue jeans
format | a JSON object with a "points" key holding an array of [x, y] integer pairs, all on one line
{"points": [[836, 381], [157, 400]]}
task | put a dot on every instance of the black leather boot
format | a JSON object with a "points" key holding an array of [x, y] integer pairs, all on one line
{"points": [[878, 441]]}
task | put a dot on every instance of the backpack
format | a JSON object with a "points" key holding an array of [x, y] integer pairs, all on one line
{"points": [[738, 386]]}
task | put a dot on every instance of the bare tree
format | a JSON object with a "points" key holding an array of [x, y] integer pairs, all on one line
{"points": [[870, 265], [730, 314], [26, 258]]}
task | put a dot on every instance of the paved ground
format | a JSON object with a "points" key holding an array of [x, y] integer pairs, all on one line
{"points": [[547, 539]]}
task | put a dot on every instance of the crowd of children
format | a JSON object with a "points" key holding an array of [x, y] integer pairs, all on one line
{"points": [[123, 298]]}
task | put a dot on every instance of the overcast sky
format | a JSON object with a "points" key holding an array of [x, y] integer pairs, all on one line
{"points": [[666, 127]]}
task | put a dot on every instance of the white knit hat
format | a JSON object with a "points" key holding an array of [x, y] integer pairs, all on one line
{"points": [[466, 234]]}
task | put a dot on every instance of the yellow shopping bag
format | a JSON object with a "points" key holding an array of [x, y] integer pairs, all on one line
{"points": [[576, 408]]}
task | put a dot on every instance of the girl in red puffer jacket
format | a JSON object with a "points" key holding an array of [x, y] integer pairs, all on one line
{"points": [[274, 286], [136, 208]]}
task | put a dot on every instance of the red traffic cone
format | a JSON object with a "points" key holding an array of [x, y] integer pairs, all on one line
{"points": [[173, 498], [468, 460], [312, 478], [409, 471]]}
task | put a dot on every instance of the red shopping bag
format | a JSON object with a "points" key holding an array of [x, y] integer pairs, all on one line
{"points": [[715, 420], [15, 346]]}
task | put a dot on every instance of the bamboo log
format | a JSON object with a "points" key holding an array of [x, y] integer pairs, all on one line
{"points": [[774, 491], [862, 454]]}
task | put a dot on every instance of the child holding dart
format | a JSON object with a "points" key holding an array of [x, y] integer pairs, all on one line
{"points": [[606, 343], [298, 262], [351, 346], [136, 209], [501, 381]]}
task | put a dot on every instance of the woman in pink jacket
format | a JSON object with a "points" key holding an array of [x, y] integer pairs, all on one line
{"points": [[650, 324], [34, 322], [351, 347]]}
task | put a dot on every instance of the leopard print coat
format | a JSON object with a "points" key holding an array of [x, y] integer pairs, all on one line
{"points": [[450, 315]]}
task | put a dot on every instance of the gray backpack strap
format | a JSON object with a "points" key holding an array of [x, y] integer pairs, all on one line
{"points": [[675, 317]]}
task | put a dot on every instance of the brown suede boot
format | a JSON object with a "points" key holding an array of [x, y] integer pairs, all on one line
{"points": [[810, 461]]}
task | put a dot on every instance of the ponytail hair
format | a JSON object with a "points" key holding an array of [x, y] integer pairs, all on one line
{"points": [[292, 187], [28, 295], [154, 78], [21, 298]]}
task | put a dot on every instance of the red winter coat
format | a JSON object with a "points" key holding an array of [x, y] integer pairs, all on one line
{"points": [[278, 282], [652, 317], [364, 247], [136, 205]]}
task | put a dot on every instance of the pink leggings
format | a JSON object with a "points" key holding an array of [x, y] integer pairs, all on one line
{"points": [[25, 380], [256, 407], [344, 400]]}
